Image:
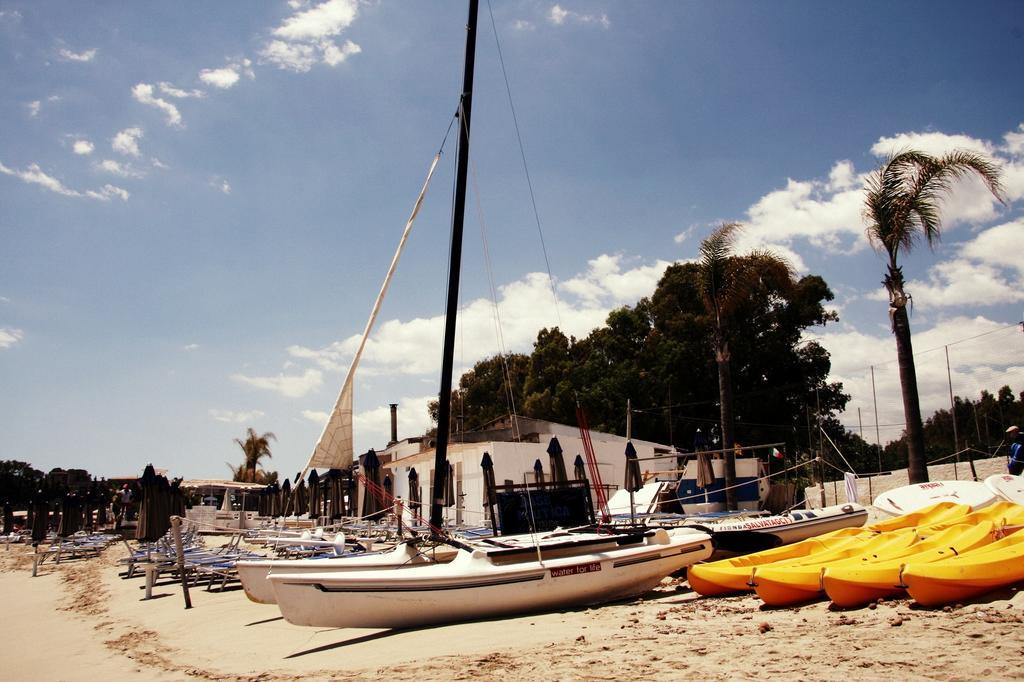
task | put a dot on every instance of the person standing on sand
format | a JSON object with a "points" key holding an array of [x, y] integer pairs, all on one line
{"points": [[1016, 464]]}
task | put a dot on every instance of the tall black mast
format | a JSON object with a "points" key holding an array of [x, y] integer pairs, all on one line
{"points": [[455, 267]]}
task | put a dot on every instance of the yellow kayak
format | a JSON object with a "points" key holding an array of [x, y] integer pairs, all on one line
{"points": [[940, 512], [733, 575], [856, 582], [967, 576], [784, 584], [1000, 513]]}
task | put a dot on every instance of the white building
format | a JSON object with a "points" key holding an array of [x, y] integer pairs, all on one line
{"points": [[514, 449]]}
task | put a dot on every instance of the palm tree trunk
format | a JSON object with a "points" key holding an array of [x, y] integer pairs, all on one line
{"points": [[725, 402], [917, 469]]}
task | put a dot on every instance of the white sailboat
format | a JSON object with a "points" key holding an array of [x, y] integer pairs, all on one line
{"points": [[562, 571], [485, 578]]}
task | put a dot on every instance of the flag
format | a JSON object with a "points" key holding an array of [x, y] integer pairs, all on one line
{"points": [[776, 454]]}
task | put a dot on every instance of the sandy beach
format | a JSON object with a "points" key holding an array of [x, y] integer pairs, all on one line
{"points": [[80, 621]]}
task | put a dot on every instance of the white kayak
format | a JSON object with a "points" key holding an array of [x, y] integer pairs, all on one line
{"points": [[910, 498], [490, 580], [756, 533], [1007, 487], [253, 573]]}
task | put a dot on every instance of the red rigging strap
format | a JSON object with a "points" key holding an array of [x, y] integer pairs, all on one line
{"points": [[595, 473], [388, 500]]}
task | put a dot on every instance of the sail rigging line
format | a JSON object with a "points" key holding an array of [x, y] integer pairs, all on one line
{"points": [[526, 169], [506, 373], [334, 449]]}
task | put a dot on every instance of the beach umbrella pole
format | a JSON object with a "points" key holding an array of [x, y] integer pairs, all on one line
{"points": [[180, 552], [35, 558]]}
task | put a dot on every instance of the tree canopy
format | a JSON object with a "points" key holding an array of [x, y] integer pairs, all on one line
{"points": [[657, 354]]}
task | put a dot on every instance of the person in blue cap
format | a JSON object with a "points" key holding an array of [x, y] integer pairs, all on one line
{"points": [[1016, 464]]}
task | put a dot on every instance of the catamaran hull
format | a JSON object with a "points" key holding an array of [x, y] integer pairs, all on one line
{"points": [[253, 574], [474, 587]]}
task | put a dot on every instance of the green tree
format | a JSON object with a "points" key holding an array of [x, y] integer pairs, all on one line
{"points": [[18, 482], [492, 389], [901, 206], [726, 284], [255, 447]]}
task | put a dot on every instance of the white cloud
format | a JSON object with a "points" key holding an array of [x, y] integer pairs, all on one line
{"points": [[316, 416], [190, 347], [288, 386], [86, 56], [221, 78], [127, 141], [326, 19], [372, 427], [233, 417], [1014, 141], [83, 147], [523, 25], [605, 281], [983, 271], [825, 214], [334, 55], [9, 337], [143, 94], [413, 347], [559, 16], [33, 108], [109, 192], [308, 36], [117, 168], [35, 175], [221, 185], [171, 90], [981, 356], [228, 76]]}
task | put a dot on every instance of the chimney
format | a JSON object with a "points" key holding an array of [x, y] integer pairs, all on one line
{"points": [[394, 424]]}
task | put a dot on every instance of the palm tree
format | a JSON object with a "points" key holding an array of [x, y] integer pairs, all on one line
{"points": [[726, 282], [255, 447], [901, 205]]}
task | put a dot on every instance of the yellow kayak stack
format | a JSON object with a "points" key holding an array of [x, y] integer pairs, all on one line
{"points": [[939, 554]]}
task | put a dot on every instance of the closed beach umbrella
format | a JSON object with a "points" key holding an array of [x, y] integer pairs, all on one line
{"points": [[314, 495], [579, 468], [285, 498], [538, 474], [414, 492], [634, 480], [371, 472], [70, 516], [40, 518], [8, 518], [177, 499], [556, 461], [705, 473], [301, 501], [449, 485], [490, 489], [154, 514]]}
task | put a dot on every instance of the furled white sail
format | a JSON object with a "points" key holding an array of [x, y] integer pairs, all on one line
{"points": [[334, 450]]}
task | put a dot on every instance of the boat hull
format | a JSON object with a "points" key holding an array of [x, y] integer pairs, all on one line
{"points": [[253, 574], [473, 586]]}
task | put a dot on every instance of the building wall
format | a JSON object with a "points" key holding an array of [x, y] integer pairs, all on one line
{"points": [[514, 462]]}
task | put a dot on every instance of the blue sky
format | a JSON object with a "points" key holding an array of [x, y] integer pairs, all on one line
{"points": [[198, 201]]}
